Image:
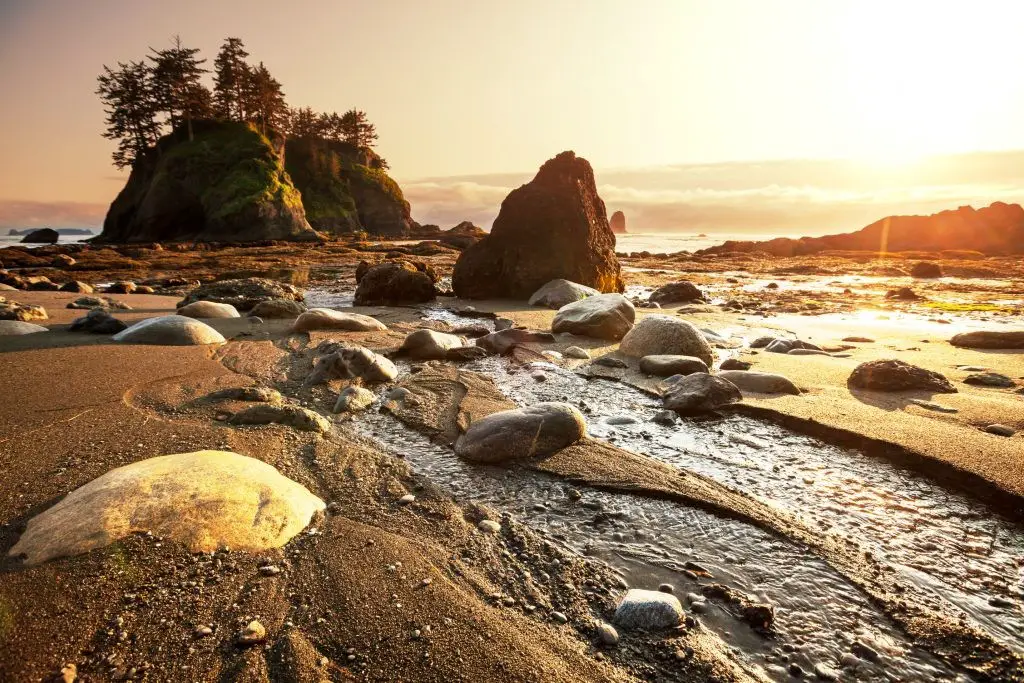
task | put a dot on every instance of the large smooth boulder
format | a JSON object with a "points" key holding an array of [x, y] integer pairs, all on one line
{"points": [[244, 293], [699, 393], [170, 330], [665, 366], [394, 283], [11, 328], [682, 292], [351, 362], [558, 293], [990, 339], [205, 501], [329, 319], [98, 321], [662, 335], [278, 308], [41, 236], [208, 309], [896, 375], [503, 341], [12, 310], [287, 415], [553, 227], [430, 344], [648, 610], [605, 316], [760, 382], [537, 430]]}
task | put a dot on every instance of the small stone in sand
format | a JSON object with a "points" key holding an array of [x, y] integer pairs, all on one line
{"points": [[253, 634], [1000, 430], [489, 526], [607, 635], [990, 379], [931, 405], [576, 352]]}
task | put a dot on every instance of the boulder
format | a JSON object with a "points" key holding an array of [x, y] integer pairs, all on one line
{"points": [[700, 392], [664, 366], [618, 223], [62, 261], [170, 330], [351, 362], [661, 335], [41, 284], [205, 501], [558, 293], [208, 310], [503, 341], [648, 610], [41, 236], [354, 399], [98, 321], [553, 227], [329, 319], [77, 286], [462, 236], [10, 328], [12, 310], [735, 364], [278, 308], [681, 292], [903, 294], [429, 345], [537, 430], [896, 375], [242, 293], [760, 382], [91, 302], [121, 287], [394, 283], [605, 316], [289, 416], [990, 339], [926, 270]]}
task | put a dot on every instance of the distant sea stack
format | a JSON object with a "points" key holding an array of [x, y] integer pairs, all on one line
{"points": [[228, 184], [618, 223], [553, 227], [346, 189], [14, 232], [994, 230]]}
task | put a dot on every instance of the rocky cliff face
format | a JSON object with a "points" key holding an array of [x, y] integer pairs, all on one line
{"points": [[226, 185], [346, 189], [618, 223], [995, 230], [553, 227]]}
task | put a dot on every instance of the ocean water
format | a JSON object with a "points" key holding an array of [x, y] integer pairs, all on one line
{"points": [[12, 240], [670, 242]]}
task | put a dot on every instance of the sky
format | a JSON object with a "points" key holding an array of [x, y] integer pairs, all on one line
{"points": [[697, 115]]}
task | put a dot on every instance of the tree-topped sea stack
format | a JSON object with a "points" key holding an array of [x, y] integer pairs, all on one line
{"points": [[553, 227], [227, 184]]}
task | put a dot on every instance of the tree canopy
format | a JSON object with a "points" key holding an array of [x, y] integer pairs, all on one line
{"points": [[144, 99]]}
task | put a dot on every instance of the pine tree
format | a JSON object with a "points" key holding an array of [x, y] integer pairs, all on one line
{"points": [[131, 108], [265, 102], [231, 73], [176, 78], [304, 123], [357, 130]]}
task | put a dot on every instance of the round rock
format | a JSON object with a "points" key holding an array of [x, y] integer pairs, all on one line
{"points": [[658, 335], [208, 309], [205, 501], [170, 330], [605, 316], [429, 344], [665, 366], [329, 319], [537, 430], [558, 293], [760, 382], [648, 610], [354, 399], [278, 308]]}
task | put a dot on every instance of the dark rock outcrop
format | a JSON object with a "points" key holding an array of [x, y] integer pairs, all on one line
{"points": [[618, 223], [346, 189], [994, 230], [553, 227], [462, 236], [41, 236], [394, 283], [926, 270], [682, 292], [896, 375], [228, 184], [243, 294]]}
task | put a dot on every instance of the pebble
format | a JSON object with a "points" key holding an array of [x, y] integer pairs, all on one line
{"points": [[607, 635], [253, 634], [825, 673], [665, 417], [489, 526], [559, 617], [694, 597], [576, 352], [1002, 603], [270, 570], [407, 499], [202, 632], [1000, 430], [795, 671], [849, 660], [667, 588], [621, 420], [700, 607]]}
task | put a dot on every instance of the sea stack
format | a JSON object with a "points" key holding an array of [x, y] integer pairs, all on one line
{"points": [[618, 223], [553, 227]]}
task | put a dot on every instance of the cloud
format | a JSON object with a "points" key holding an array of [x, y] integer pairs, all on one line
{"points": [[29, 214], [778, 197]]}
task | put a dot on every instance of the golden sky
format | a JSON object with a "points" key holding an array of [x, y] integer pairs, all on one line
{"points": [[471, 87]]}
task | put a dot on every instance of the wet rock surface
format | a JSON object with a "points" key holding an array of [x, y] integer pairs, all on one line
{"points": [[663, 335], [329, 319], [536, 430], [700, 392], [394, 283], [560, 292], [605, 316]]}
